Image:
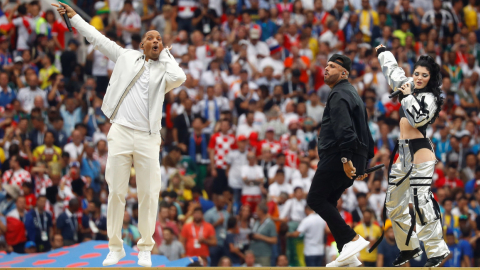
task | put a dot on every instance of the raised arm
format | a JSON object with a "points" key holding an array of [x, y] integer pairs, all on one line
{"points": [[109, 48], [393, 73]]}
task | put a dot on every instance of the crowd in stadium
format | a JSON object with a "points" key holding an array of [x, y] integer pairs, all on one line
{"points": [[239, 136]]}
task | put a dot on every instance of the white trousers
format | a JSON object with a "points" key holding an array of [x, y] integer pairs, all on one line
{"points": [[126, 145]]}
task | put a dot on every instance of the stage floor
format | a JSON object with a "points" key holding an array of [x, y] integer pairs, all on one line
{"points": [[245, 268]]}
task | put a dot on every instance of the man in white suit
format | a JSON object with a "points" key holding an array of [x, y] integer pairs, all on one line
{"points": [[133, 103]]}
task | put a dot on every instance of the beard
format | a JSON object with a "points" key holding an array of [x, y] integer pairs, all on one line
{"points": [[331, 79]]}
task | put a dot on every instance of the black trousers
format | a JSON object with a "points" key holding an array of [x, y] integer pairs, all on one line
{"points": [[327, 187]]}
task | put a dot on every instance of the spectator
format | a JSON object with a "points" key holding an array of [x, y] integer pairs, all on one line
{"points": [[252, 179], [282, 261], [16, 175], [71, 115], [458, 256], [130, 233], [312, 228], [264, 235], [171, 248], [30, 247], [39, 225], [279, 186], [94, 223], [233, 246], [205, 18], [75, 148], [371, 232], [294, 208], [250, 260], [67, 223], [90, 167], [57, 242], [220, 144], [198, 236], [218, 217], [27, 95], [47, 151], [387, 250]]}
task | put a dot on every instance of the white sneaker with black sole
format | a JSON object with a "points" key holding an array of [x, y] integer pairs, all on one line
{"points": [[113, 257], [353, 247], [350, 262], [144, 259]]}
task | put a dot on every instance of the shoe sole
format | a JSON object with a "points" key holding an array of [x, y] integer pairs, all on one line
{"points": [[444, 256], [145, 265], [414, 256], [108, 264], [354, 252]]}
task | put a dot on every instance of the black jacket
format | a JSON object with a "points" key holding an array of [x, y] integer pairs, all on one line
{"points": [[345, 124]]}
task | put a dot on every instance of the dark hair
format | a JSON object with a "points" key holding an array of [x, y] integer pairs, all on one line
{"points": [[22, 9], [169, 229], [199, 209], [231, 223], [128, 2], [435, 81]]}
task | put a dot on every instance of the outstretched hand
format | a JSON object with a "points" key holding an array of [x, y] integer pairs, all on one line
{"points": [[64, 8]]}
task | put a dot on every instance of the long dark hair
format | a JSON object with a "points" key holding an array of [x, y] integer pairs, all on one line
{"points": [[435, 81]]}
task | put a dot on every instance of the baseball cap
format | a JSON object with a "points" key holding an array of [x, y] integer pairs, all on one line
{"points": [[270, 129], [341, 60], [242, 138], [30, 244], [18, 59], [255, 33]]}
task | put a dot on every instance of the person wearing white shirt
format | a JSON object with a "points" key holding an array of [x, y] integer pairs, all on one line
{"points": [[236, 160], [312, 228], [253, 177], [129, 22], [27, 95], [247, 128], [209, 109], [25, 25], [279, 186], [290, 173], [294, 209], [306, 174], [377, 198]]}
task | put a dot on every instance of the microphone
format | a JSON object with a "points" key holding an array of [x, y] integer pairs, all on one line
{"points": [[398, 92], [67, 21]]}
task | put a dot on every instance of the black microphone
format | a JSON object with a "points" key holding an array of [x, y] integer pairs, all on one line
{"points": [[398, 92], [394, 94], [67, 20]]}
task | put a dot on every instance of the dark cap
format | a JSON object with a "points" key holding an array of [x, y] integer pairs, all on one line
{"points": [[342, 60]]}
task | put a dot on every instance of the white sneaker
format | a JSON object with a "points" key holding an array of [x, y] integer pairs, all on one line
{"points": [[144, 259], [350, 262], [353, 247], [113, 257]]}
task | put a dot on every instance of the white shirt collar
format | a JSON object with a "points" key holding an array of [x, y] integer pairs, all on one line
{"points": [[69, 214]]}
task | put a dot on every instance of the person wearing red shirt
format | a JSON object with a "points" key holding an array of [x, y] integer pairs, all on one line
{"points": [[163, 223], [296, 61], [269, 142], [220, 145], [198, 236], [451, 180]]}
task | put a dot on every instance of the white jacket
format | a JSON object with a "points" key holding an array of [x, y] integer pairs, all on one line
{"points": [[165, 74]]}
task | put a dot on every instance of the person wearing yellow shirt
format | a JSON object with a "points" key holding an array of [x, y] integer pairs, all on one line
{"points": [[47, 70], [371, 232], [102, 13], [449, 221], [367, 19], [47, 152], [470, 16]]}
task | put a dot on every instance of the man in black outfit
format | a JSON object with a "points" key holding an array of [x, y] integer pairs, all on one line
{"points": [[344, 146]]}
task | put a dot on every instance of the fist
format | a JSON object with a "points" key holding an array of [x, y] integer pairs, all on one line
{"points": [[64, 8]]}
